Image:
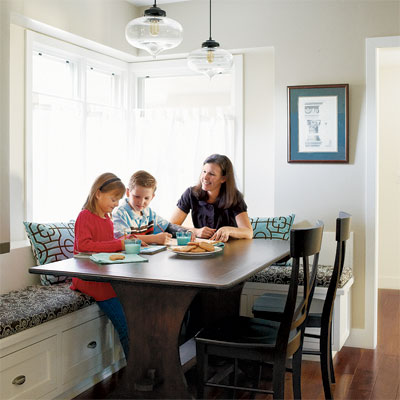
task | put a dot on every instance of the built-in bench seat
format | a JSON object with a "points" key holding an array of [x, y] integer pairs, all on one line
{"points": [[34, 305], [275, 279], [280, 275]]}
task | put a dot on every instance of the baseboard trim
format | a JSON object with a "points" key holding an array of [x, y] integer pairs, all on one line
{"points": [[389, 282], [89, 382]]}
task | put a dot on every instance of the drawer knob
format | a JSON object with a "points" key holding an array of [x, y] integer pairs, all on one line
{"points": [[92, 345], [19, 380]]}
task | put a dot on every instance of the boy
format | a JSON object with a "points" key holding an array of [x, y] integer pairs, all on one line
{"points": [[135, 216]]}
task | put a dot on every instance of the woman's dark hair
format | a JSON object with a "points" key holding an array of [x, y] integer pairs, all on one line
{"points": [[229, 194]]}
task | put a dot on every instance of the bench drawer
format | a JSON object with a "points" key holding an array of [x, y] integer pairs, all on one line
{"points": [[87, 349], [29, 373]]}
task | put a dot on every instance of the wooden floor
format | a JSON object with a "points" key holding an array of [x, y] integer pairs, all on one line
{"points": [[360, 373]]}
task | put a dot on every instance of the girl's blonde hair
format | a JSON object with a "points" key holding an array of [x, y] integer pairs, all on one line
{"points": [[107, 182]]}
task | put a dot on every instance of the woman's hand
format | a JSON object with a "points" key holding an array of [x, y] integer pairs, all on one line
{"points": [[222, 234], [205, 232]]}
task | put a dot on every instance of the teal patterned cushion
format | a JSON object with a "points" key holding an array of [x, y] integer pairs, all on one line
{"points": [[51, 242], [272, 228]]}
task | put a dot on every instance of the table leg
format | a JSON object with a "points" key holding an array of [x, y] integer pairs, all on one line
{"points": [[154, 319]]}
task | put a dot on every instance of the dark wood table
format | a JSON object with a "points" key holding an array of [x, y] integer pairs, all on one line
{"points": [[156, 295]]}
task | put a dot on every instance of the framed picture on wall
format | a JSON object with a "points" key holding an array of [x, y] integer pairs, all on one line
{"points": [[318, 124]]}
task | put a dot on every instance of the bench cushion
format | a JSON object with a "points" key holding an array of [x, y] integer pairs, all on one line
{"points": [[281, 275], [26, 308]]}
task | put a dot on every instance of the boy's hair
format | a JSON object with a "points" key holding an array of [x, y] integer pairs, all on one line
{"points": [[107, 182], [144, 179]]}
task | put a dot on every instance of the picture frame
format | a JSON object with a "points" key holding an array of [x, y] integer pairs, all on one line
{"points": [[318, 123]]}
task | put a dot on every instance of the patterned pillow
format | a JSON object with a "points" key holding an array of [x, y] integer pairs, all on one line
{"points": [[51, 242], [273, 228]]}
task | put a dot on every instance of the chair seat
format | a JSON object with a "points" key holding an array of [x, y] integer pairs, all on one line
{"points": [[274, 303], [241, 330]]}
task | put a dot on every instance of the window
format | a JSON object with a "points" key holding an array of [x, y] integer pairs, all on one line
{"points": [[89, 113], [78, 126], [180, 119]]}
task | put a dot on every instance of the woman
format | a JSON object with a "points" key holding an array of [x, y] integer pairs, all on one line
{"points": [[218, 208]]}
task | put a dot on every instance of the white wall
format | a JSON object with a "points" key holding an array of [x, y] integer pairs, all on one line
{"points": [[389, 175], [259, 148], [314, 42], [4, 128]]}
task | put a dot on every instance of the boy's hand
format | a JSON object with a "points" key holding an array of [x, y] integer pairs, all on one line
{"points": [[161, 238]]}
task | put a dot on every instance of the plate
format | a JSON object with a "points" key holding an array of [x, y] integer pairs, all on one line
{"points": [[196, 255]]}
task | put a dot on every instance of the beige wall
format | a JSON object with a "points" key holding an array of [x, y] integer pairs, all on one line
{"points": [[101, 21], [314, 42], [389, 176]]}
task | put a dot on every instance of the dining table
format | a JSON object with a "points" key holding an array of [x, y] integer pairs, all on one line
{"points": [[156, 295]]}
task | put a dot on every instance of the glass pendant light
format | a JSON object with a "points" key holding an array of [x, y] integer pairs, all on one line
{"points": [[154, 32], [210, 59]]}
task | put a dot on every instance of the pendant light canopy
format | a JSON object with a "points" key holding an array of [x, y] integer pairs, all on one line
{"points": [[154, 32], [210, 59]]}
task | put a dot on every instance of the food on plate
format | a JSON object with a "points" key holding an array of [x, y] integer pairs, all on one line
{"points": [[206, 246], [185, 249], [198, 249], [195, 247], [115, 257]]}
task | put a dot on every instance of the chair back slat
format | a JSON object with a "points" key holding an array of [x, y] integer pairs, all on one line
{"points": [[343, 223], [304, 243]]}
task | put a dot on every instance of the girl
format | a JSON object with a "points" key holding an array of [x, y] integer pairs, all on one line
{"points": [[94, 232], [218, 208]]}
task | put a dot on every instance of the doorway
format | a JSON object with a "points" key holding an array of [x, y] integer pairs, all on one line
{"points": [[373, 47]]}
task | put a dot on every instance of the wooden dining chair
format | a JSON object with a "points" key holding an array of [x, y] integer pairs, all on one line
{"points": [[273, 303], [263, 341]]}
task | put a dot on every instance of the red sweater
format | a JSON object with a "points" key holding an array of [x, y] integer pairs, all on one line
{"points": [[94, 234]]}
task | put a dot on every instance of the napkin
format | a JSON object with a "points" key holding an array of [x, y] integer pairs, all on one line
{"points": [[104, 258]]}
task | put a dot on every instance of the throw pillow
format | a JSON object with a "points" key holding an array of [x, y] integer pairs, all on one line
{"points": [[51, 242], [273, 228]]}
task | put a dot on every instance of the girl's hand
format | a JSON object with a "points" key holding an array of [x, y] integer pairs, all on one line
{"points": [[162, 238], [204, 233], [222, 234]]}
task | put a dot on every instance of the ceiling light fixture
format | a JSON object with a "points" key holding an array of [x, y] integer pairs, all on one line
{"points": [[210, 59], [154, 32]]}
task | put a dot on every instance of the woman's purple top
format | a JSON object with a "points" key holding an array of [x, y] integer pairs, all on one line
{"points": [[206, 214]]}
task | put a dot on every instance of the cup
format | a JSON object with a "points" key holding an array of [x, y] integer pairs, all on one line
{"points": [[183, 238], [132, 246]]}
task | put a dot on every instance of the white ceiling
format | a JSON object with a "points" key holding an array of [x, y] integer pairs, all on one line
{"points": [[141, 3]]}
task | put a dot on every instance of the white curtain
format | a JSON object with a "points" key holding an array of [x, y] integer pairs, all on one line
{"points": [[172, 144], [72, 144]]}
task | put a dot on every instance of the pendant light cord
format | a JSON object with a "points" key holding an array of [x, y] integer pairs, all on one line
{"points": [[210, 21]]}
